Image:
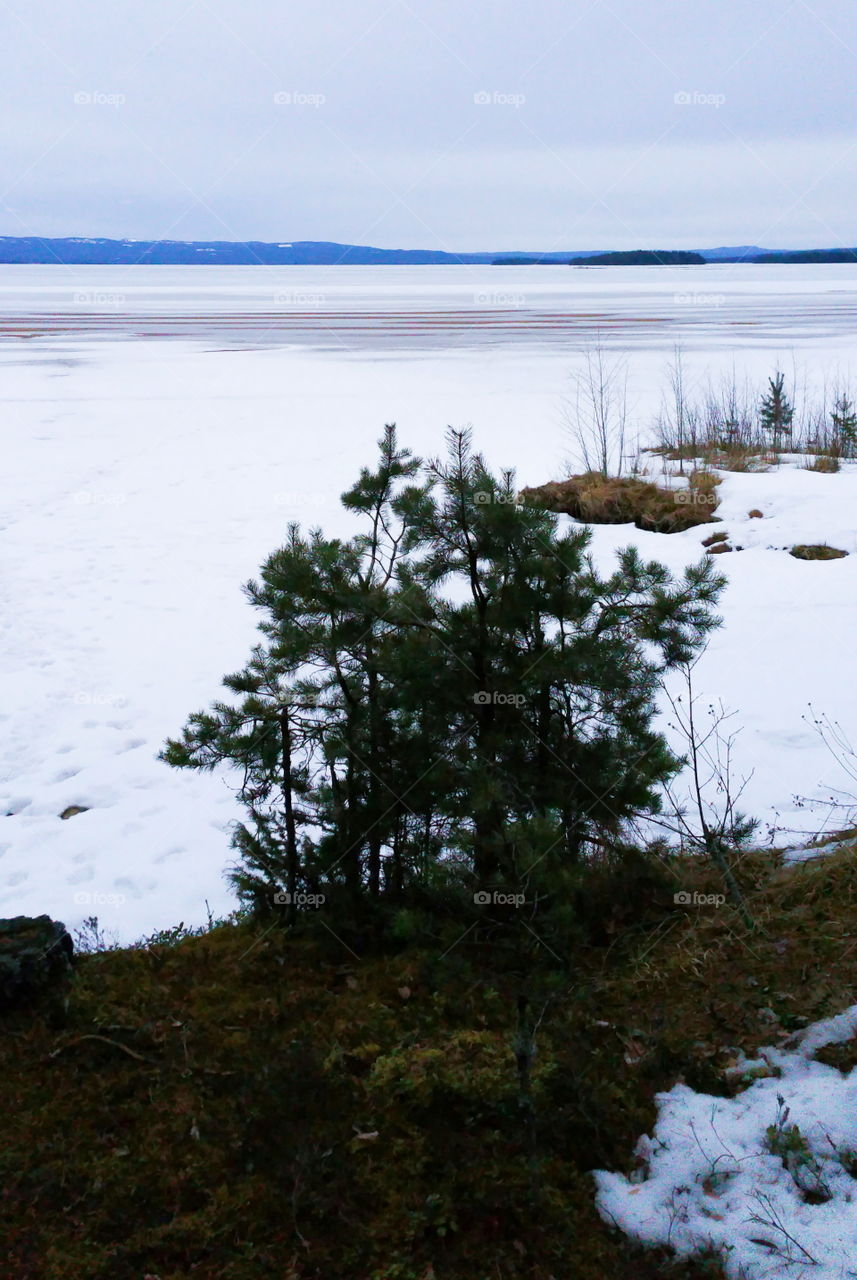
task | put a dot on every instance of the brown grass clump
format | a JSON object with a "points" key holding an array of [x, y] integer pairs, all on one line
{"points": [[816, 551], [738, 458], [825, 462], [703, 483], [596, 499], [721, 536], [723, 457], [755, 514]]}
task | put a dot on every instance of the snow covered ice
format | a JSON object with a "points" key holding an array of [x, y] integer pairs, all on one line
{"points": [[146, 480]]}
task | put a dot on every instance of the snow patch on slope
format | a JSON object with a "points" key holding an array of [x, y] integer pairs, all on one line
{"points": [[709, 1181]]}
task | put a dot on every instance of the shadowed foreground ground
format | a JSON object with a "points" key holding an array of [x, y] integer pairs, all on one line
{"points": [[245, 1104]]}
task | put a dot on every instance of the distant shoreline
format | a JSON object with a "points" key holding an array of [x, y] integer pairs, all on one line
{"points": [[97, 251]]}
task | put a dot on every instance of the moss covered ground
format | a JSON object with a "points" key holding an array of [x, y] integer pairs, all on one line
{"points": [[251, 1103]]}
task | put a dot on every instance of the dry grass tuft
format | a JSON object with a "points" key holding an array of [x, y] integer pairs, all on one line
{"points": [[816, 551], [722, 457], [594, 499], [703, 482], [739, 458], [755, 514], [825, 462]]}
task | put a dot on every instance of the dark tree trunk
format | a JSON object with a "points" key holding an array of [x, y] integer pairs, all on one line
{"points": [[291, 832]]}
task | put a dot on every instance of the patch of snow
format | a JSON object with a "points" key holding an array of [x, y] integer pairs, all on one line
{"points": [[708, 1179], [808, 852], [837, 1030]]}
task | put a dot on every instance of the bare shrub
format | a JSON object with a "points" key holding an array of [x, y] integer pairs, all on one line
{"points": [[596, 416]]}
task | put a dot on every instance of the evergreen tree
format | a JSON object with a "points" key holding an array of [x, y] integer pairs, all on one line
{"points": [[843, 419], [453, 691], [776, 412], [551, 672]]}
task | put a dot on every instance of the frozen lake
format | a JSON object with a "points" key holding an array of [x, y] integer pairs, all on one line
{"points": [[145, 480], [394, 309]]}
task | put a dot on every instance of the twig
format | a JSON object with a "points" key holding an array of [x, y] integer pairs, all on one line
{"points": [[104, 1040], [773, 1220]]}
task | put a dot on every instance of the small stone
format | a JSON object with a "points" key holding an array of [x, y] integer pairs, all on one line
{"points": [[73, 810]]}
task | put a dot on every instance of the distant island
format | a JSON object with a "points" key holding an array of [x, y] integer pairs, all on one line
{"points": [[626, 258], [642, 258], [810, 255], [100, 251]]}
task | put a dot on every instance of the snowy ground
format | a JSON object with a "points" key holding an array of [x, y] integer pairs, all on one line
{"points": [[144, 481], [709, 1179]]}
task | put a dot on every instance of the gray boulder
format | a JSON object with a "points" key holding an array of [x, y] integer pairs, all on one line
{"points": [[35, 962]]}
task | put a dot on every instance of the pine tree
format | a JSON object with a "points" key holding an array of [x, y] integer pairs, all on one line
{"points": [[549, 696], [776, 412], [843, 419], [454, 692]]}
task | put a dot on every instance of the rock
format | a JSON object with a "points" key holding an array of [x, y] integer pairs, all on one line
{"points": [[73, 810], [35, 962]]}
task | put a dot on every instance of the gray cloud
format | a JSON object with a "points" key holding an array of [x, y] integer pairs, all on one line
{"points": [[432, 124]]}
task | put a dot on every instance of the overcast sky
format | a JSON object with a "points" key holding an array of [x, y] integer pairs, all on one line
{"points": [[434, 124]]}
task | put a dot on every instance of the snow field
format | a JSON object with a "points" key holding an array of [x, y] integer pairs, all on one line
{"points": [[145, 481]]}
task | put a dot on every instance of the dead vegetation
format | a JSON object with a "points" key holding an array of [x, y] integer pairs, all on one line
{"points": [[721, 457], [828, 464], [816, 551], [734, 424], [629, 500]]}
